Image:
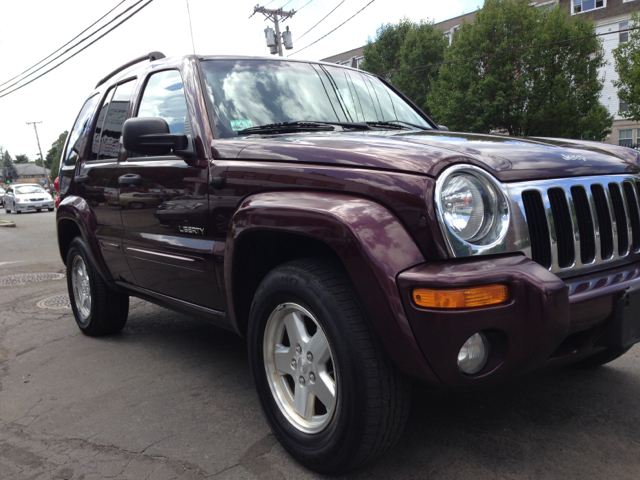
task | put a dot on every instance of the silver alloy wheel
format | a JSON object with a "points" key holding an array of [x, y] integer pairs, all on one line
{"points": [[300, 367], [81, 287]]}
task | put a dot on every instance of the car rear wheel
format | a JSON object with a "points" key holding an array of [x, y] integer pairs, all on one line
{"points": [[329, 391], [98, 309]]}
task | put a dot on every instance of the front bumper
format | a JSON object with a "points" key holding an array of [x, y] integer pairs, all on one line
{"points": [[35, 205], [546, 321]]}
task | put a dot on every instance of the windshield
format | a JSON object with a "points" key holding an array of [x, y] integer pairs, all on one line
{"points": [[249, 93], [29, 189]]}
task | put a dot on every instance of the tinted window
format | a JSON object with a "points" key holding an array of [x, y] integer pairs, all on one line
{"points": [[95, 146], [164, 97], [80, 132], [106, 137], [113, 121]]}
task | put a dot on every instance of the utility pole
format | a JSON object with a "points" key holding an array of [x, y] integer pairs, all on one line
{"points": [[275, 15], [46, 175]]}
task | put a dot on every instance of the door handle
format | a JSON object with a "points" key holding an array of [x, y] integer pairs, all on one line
{"points": [[130, 179]]}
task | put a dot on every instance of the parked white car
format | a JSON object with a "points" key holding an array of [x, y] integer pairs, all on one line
{"points": [[27, 196], [2, 192]]}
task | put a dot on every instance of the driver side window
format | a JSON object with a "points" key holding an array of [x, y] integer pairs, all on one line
{"points": [[163, 97]]}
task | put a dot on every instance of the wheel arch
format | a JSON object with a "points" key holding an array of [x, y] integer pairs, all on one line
{"points": [[257, 252], [74, 218], [367, 240]]}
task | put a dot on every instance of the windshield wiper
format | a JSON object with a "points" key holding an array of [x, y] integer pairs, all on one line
{"points": [[300, 126], [394, 124]]}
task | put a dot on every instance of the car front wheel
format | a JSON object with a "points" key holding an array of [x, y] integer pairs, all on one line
{"points": [[329, 391], [98, 309]]}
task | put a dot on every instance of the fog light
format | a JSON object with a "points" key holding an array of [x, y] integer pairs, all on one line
{"points": [[474, 354]]}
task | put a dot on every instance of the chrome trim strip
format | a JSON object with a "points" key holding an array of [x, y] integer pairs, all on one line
{"points": [[151, 252], [577, 253], [518, 230], [628, 217], [614, 221], [551, 226], [596, 224], [637, 200]]}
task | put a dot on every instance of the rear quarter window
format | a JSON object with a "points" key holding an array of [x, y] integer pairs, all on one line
{"points": [[76, 144], [108, 128], [79, 134]]}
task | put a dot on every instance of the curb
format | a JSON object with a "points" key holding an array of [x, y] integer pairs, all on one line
{"points": [[7, 224]]}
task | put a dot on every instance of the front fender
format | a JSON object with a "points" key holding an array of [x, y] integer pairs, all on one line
{"points": [[76, 209], [372, 244]]}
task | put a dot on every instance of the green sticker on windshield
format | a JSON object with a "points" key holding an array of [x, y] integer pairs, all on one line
{"points": [[240, 124]]}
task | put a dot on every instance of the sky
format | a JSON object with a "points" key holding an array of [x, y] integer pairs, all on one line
{"points": [[32, 29]]}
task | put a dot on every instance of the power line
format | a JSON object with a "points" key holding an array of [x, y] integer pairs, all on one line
{"points": [[303, 48], [76, 53], [305, 5], [298, 9], [71, 48], [53, 53], [487, 55], [320, 20]]}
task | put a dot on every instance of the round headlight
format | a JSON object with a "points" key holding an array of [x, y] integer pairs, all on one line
{"points": [[469, 206], [472, 207]]}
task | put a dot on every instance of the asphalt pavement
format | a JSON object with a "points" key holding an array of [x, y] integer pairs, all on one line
{"points": [[172, 397]]}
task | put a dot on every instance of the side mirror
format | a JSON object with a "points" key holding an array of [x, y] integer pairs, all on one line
{"points": [[150, 136], [443, 128]]}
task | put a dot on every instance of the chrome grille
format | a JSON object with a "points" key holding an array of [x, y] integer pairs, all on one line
{"points": [[576, 225]]}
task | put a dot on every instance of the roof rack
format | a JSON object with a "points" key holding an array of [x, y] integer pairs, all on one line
{"points": [[150, 56]]}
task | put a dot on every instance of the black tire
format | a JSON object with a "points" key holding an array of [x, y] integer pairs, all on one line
{"points": [[18, 212], [7, 210], [372, 397], [38, 209], [107, 311], [50, 209], [601, 358]]}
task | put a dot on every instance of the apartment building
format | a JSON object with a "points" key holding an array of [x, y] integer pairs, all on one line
{"points": [[610, 16]]}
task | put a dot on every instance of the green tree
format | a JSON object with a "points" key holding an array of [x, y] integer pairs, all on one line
{"points": [[627, 58], [403, 46], [381, 53], [547, 91], [22, 158], [52, 159], [9, 169]]}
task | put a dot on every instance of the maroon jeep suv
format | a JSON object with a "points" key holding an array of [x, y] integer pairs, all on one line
{"points": [[357, 245]]}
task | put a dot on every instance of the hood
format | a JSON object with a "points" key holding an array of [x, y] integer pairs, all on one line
{"points": [[30, 196], [507, 158]]}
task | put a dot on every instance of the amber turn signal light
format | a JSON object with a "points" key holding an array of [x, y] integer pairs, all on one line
{"points": [[461, 297]]}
